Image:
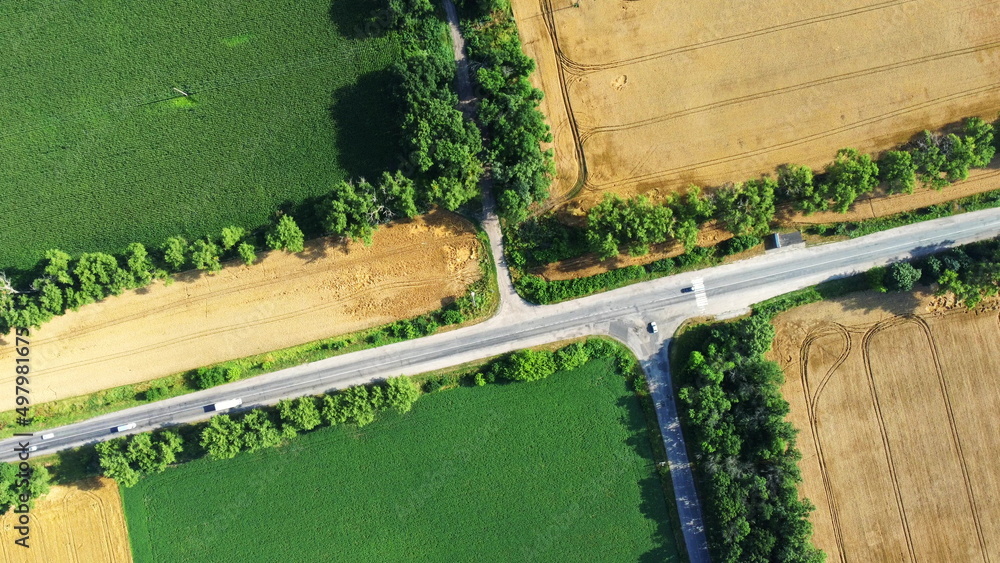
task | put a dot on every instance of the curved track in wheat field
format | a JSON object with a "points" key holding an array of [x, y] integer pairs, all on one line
{"points": [[811, 399]]}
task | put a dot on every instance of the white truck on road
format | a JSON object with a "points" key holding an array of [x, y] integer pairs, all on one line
{"points": [[227, 404]]}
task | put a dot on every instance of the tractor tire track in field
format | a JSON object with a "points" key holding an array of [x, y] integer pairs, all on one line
{"points": [[811, 408], [194, 336], [584, 68], [212, 295], [545, 6], [796, 142], [953, 426], [789, 89], [880, 418]]}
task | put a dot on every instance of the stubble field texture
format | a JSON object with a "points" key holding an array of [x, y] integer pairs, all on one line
{"points": [[78, 523], [651, 97], [100, 150], [558, 469], [286, 299], [894, 397]]}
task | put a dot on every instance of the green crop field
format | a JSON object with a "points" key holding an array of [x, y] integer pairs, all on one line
{"points": [[98, 150], [555, 470]]}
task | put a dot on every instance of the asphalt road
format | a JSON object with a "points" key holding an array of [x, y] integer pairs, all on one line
{"points": [[622, 314]]}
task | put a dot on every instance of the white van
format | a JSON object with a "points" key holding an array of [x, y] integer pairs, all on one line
{"points": [[124, 427], [48, 436]]}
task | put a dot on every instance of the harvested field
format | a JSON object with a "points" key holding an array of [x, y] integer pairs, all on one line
{"points": [[709, 92], [411, 268], [78, 523], [889, 394]]}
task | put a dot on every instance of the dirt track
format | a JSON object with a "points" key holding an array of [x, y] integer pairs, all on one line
{"points": [[650, 97], [78, 523], [890, 398], [286, 299]]}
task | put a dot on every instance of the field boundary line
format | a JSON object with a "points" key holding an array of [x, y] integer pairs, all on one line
{"points": [[583, 174]]}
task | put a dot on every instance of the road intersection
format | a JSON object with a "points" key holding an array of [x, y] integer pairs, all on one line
{"points": [[622, 314]]}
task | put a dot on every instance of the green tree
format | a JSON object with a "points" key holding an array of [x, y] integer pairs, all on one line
{"points": [[902, 276], [398, 194], [50, 297], [527, 365], [231, 236], [898, 172], [247, 253], [114, 462], [633, 223], [299, 414], [139, 265], [929, 160], [876, 279], [207, 377], [980, 135], [285, 235], [205, 255], [795, 182], [401, 392], [849, 176], [57, 266], [175, 253], [223, 437], [348, 212], [747, 209], [259, 431], [13, 483], [572, 356]]}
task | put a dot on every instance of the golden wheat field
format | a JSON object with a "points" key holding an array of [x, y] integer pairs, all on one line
{"points": [[287, 299], [78, 523], [895, 399], [648, 97]]}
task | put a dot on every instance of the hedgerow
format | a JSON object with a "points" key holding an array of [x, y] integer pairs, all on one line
{"points": [[743, 448], [512, 125]]}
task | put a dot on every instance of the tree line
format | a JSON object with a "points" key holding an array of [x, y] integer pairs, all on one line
{"points": [[442, 146], [935, 160], [971, 273], [513, 128], [68, 283], [743, 448], [443, 167], [128, 459]]}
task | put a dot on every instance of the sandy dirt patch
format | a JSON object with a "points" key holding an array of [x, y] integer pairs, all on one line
{"points": [[889, 393], [655, 96], [78, 523], [330, 289]]}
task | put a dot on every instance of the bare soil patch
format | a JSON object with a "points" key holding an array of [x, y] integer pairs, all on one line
{"points": [[79, 523], [330, 289], [647, 97], [889, 393]]}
